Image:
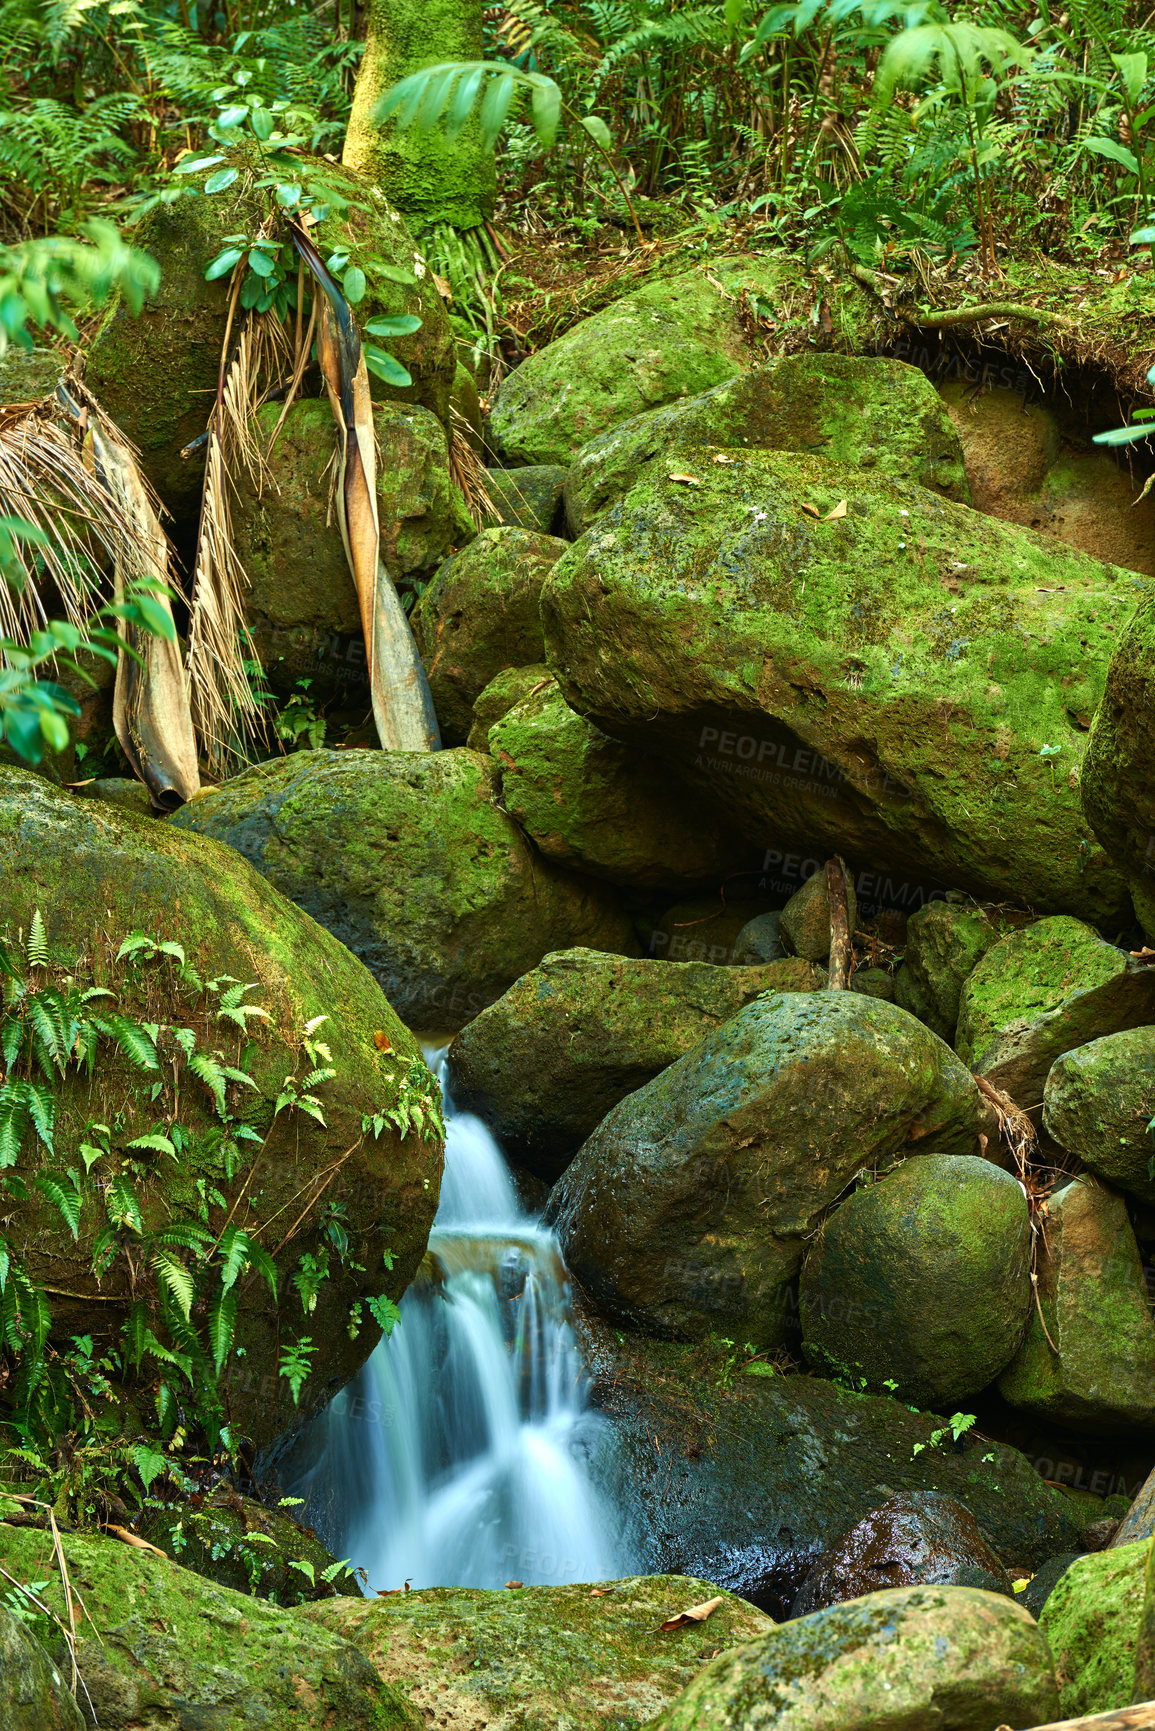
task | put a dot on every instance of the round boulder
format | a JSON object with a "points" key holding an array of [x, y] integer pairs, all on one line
{"points": [[806, 917], [409, 859], [1098, 1102], [689, 1207], [945, 940], [921, 1281], [922, 1539]]}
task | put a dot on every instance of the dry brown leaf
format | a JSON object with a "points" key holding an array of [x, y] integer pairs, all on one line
{"points": [[134, 1539], [601, 1592], [812, 510], [381, 1040], [515, 1583], [441, 284], [695, 1614], [838, 511], [689, 480]]}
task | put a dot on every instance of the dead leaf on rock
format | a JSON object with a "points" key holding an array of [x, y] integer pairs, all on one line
{"points": [[812, 510], [515, 1583], [381, 1040], [601, 1592], [696, 1614], [689, 480], [137, 1543], [838, 511]]}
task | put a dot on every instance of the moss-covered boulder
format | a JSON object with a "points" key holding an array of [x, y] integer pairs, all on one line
{"points": [[945, 940], [245, 1545], [921, 1281], [409, 859], [601, 807], [918, 1539], [1098, 1102], [33, 1694], [96, 875], [582, 1030], [480, 615], [1117, 787], [26, 375], [875, 413], [529, 498], [1144, 1684], [953, 1657], [504, 690], [720, 1470], [881, 684], [673, 338], [1094, 1366], [788, 1098], [156, 374], [161, 1647], [1040, 992], [1091, 1620], [805, 922], [301, 604], [535, 1658]]}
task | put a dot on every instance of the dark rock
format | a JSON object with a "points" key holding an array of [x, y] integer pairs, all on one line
{"points": [[758, 941], [1044, 1581], [528, 498], [33, 1694], [1097, 1103], [945, 940]]}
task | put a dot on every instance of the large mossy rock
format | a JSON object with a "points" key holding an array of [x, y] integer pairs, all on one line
{"points": [[922, 1281], [747, 1479], [945, 940], [301, 604], [1041, 991], [673, 338], [877, 414], [1097, 1104], [536, 1658], [156, 374], [1117, 786], [547, 1061], [1091, 1620], [409, 859], [481, 615], [880, 685], [952, 1657], [1096, 1371], [242, 1544], [33, 1694], [598, 806], [688, 1208], [919, 1539], [504, 690], [97, 874], [161, 1648]]}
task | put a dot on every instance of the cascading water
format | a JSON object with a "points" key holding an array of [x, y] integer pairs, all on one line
{"points": [[458, 1456]]}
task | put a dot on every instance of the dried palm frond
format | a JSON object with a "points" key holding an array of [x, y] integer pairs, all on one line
{"points": [[225, 708], [467, 472], [402, 706]]}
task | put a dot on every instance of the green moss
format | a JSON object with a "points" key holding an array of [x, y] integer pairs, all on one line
{"points": [[1116, 785], [1029, 973], [244, 1545], [504, 690], [944, 943], [1091, 1620], [1098, 1103]]}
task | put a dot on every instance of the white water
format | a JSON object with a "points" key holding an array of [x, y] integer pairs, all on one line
{"points": [[457, 1456]]}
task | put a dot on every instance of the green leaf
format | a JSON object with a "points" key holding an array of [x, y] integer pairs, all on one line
{"points": [[154, 1143], [384, 1313], [1144, 237], [353, 285], [65, 1197], [1133, 71], [176, 1277], [385, 367], [306, 1569], [193, 165], [262, 123], [461, 105], [121, 1204], [151, 1464], [233, 115], [1114, 152], [598, 130], [222, 1328], [546, 109], [261, 264], [1124, 435], [218, 182], [393, 325]]}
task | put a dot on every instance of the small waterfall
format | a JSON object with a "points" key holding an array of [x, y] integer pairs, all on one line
{"points": [[457, 1457]]}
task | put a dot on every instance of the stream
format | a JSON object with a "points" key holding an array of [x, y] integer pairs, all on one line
{"points": [[459, 1454]]}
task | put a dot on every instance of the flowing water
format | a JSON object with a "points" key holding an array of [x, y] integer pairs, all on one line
{"points": [[458, 1456]]}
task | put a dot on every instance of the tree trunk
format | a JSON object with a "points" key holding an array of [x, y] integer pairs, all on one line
{"points": [[428, 179]]}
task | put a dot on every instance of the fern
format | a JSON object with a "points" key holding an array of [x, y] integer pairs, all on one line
{"points": [[176, 1278], [64, 1196], [36, 948]]}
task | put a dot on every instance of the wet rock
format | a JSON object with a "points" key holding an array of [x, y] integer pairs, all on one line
{"points": [[547, 1061], [748, 1479], [945, 940], [1097, 1104], [1091, 1620], [240, 1543], [1116, 784], [409, 860], [1139, 1519], [789, 1098], [1044, 1581], [301, 604], [528, 498], [33, 1694], [156, 373], [504, 690], [922, 1281], [920, 1539], [806, 918], [97, 874], [602, 807], [160, 1646], [949, 1656], [1094, 1366], [881, 685], [541, 1656], [480, 615], [673, 338], [759, 940], [875, 413], [1039, 992]]}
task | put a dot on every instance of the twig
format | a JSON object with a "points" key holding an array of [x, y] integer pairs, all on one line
{"points": [[942, 318], [67, 1586]]}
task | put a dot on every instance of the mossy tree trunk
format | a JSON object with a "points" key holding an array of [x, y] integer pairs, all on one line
{"points": [[428, 179]]}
